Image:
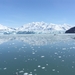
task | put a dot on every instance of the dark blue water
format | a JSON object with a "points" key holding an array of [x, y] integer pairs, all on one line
{"points": [[37, 54]]}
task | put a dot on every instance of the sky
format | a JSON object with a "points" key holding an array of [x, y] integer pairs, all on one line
{"points": [[15, 13]]}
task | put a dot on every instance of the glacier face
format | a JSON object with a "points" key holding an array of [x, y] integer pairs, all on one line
{"points": [[42, 27], [35, 28]]}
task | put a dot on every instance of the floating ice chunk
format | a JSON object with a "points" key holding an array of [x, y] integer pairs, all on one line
{"points": [[9, 44], [39, 66], [13, 43], [5, 61], [33, 49], [53, 69], [22, 47], [8, 47], [8, 51], [34, 69], [35, 59], [21, 71], [56, 53], [30, 74], [56, 48], [25, 74], [15, 58], [63, 48], [74, 47], [43, 67], [28, 59], [42, 56], [63, 55], [17, 69], [62, 60], [70, 47], [33, 53], [25, 47], [24, 51], [23, 68], [47, 64], [16, 73], [31, 46], [57, 71], [72, 66], [5, 68], [39, 47], [59, 56], [15, 46], [73, 62]]}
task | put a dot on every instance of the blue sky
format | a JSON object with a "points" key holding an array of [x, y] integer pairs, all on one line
{"points": [[15, 13]]}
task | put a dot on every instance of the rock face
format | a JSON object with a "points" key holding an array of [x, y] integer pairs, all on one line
{"points": [[71, 30]]}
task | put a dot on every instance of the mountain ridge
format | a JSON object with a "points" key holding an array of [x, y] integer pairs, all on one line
{"points": [[37, 27]]}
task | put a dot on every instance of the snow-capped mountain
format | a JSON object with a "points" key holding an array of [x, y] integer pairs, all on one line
{"points": [[42, 27], [36, 27], [5, 29]]}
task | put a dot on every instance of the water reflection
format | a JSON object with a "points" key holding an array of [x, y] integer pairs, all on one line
{"points": [[37, 55], [37, 39]]}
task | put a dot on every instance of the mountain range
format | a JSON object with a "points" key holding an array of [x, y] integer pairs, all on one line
{"points": [[35, 28]]}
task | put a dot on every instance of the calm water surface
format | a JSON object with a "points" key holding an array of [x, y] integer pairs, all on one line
{"points": [[37, 54]]}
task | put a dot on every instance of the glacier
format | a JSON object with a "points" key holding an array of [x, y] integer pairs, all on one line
{"points": [[36, 28]]}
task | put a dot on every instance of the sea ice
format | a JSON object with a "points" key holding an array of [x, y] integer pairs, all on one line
{"points": [[47, 64], [15, 58], [62, 60], [42, 56], [43, 67], [59, 56], [30, 74], [39, 66], [5, 68], [25, 74], [34, 69], [53, 69], [58, 71], [21, 71], [72, 66]]}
